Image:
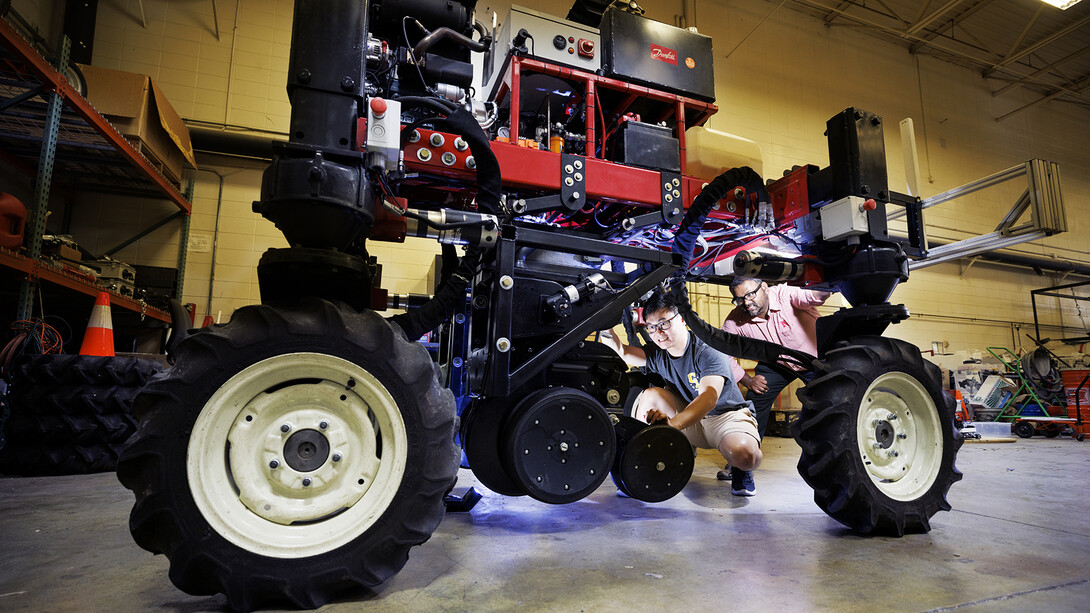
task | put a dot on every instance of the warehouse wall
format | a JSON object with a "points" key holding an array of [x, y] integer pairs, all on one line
{"points": [[778, 86]]}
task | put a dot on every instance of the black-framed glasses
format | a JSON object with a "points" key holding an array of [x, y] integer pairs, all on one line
{"points": [[662, 326], [740, 300]]}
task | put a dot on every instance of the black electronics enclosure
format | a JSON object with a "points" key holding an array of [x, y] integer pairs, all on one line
{"points": [[647, 146], [657, 55]]}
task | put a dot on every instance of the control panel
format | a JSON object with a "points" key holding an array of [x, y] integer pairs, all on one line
{"points": [[550, 39]]}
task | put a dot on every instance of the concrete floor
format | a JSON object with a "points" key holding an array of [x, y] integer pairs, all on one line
{"points": [[1017, 540]]}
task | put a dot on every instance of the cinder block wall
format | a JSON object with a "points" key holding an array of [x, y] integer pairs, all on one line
{"points": [[777, 87]]}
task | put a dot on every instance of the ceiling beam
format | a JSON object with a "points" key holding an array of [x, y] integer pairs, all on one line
{"points": [[1048, 40], [955, 21], [939, 12], [1025, 31], [1075, 89], [833, 14], [1033, 77]]}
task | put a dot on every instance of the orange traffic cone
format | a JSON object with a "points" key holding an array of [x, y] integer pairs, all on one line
{"points": [[99, 338]]}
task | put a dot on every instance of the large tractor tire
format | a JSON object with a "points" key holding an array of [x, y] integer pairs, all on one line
{"points": [[878, 437], [290, 455], [70, 414]]}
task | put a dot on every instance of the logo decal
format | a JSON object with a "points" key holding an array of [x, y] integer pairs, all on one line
{"points": [[690, 62], [663, 54], [693, 381]]}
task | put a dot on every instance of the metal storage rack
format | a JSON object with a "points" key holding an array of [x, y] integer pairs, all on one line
{"points": [[47, 128]]}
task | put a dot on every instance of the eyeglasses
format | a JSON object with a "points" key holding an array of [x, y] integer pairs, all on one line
{"points": [[662, 326], [740, 300]]}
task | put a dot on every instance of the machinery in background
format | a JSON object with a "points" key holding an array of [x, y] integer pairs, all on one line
{"points": [[304, 447]]}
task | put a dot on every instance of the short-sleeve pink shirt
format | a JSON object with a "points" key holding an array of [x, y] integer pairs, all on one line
{"points": [[791, 320]]}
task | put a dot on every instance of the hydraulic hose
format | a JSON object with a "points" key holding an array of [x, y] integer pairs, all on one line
{"points": [[689, 229], [442, 34], [451, 294]]}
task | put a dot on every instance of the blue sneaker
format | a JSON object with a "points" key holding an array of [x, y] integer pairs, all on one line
{"points": [[741, 482], [724, 475]]}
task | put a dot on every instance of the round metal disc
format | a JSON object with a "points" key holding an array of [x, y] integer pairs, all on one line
{"points": [[559, 444], [481, 425], [625, 428], [656, 464]]}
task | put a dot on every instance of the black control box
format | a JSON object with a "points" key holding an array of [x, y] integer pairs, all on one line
{"points": [[647, 146], [657, 55]]}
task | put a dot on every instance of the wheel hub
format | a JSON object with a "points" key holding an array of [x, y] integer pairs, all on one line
{"points": [[884, 434], [296, 454], [899, 436], [306, 450]]}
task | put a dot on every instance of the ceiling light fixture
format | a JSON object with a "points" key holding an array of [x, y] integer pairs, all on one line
{"points": [[1063, 5]]}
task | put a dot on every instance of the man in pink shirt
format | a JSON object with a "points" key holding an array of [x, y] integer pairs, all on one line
{"points": [[782, 314]]}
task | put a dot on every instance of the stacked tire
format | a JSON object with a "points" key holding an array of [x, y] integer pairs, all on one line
{"points": [[70, 414]]}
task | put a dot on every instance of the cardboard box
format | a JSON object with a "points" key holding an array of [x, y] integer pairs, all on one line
{"points": [[62, 251], [134, 104]]}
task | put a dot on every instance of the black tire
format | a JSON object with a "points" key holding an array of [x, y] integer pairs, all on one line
{"points": [[1023, 429], [182, 467], [1052, 431], [63, 369], [896, 487], [70, 414]]}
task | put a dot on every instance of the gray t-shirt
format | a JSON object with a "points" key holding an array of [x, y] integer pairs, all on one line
{"points": [[685, 372]]}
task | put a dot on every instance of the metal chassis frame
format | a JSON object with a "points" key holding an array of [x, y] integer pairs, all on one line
{"points": [[1042, 198], [499, 378]]}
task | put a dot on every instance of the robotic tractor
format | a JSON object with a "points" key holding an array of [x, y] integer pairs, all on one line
{"points": [[304, 447]]}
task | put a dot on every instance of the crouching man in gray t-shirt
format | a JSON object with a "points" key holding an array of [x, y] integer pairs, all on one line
{"points": [[707, 407]]}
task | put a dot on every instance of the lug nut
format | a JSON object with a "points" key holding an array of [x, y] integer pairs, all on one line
{"points": [[323, 425], [306, 481], [891, 417], [336, 457], [902, 435], [273, 464], [285, 428], [893, 454]]}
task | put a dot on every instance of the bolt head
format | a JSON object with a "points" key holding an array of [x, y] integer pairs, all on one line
{"points": [[336, 457], [306, 481], [273, 464], [323, 425], [285, 428]]}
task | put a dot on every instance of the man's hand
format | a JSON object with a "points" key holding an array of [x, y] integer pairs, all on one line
{"points": [[757, 384], [610, 339], [655, 416]]}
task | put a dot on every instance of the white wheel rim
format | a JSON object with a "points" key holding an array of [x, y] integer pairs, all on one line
{"points": [[899, 436], [275, 495]]}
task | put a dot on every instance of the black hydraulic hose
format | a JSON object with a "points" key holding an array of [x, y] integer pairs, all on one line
{"points": [[451, 294], [479, 27], [689, 229], [452, 291], [442, 34], [462, 123], [742, 346]]}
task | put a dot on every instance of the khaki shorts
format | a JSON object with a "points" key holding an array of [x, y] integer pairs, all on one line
{"points": [[712, 429]]}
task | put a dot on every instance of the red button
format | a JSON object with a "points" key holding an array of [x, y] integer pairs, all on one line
{"points": [[586, 47], [868, 205], [378, 107]]}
